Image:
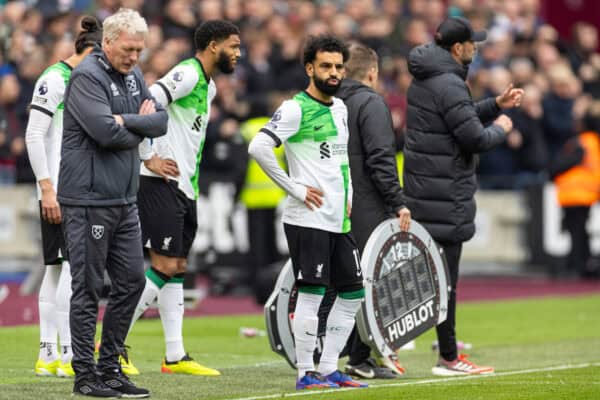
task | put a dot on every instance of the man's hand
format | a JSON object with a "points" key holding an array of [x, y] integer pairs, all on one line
{"points": [[510, 98], [147, 107], [162, 167], [514, 139], [404, 219], [314, 198], [348, 209], [504, 122], [50, 207], [119, 119]]}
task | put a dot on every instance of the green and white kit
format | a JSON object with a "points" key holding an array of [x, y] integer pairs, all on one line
{"points": [[315, 138], [48, 96], [186, 92]]}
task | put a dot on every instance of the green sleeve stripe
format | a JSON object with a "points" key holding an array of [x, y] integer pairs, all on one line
{"points": [[312, 289], [356, 294], [194, 179], [346, 225]]}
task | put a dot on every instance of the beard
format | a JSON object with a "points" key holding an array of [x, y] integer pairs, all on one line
{"points": [[325, 87], [224, 63], [466, 59]]}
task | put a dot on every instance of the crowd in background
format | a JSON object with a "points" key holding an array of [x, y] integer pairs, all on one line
{"points": [[561, 76]]}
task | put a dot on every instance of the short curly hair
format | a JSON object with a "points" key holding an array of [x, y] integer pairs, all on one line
{"points": [[315, 44], [216, 30]]}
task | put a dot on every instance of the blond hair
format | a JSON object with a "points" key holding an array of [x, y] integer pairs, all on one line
{"points": [[362, 59], [124, 20]]}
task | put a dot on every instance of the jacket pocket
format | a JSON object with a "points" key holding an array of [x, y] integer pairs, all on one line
{"points": [[111, 174], [75, 179]]}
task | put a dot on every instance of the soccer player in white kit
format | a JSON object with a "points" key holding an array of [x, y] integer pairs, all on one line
{"points": [[43, 138], [313, 129], [169, 182]]}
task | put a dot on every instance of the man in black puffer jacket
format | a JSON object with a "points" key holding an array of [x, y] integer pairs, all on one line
{"points": [[444, 134], [377, 195]]}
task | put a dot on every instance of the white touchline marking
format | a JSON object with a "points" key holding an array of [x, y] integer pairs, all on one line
{"points": [[268, 363], [423, 381]]}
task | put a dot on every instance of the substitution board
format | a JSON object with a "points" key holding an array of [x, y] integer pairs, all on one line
{"points": [[406, 293]]}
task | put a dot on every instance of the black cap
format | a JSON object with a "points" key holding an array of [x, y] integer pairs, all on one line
{"points": [[457, 30]]}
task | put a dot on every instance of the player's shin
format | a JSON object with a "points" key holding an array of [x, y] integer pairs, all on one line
{"points": [[63, 303], [305, 327], [47, 311], [339, 326], [155, 280], [170, 306]]}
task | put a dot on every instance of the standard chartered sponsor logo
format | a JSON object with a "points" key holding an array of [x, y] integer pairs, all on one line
{"points": [[339, 149], [325, 150]]}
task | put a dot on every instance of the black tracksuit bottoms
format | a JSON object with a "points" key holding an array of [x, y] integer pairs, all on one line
{"points": [[446, 331], [99, 239]]}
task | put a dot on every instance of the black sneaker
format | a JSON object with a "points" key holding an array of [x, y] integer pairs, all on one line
{"points": [[370, 370], [118, 381], [91, 385]]}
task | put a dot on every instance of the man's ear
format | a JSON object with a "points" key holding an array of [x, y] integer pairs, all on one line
{"points": [[212, 45], [456, 48], [310, 69]]}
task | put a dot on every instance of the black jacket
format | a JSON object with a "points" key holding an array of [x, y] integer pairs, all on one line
{"points": [[372, 154], [444, 134], [99, 158]]}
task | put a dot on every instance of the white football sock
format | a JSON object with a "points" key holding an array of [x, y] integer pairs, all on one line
{"points": [[66, 354], [148, 295], [63, 303], [306, 325], [170, 306], [47, 311], [339, 325]]}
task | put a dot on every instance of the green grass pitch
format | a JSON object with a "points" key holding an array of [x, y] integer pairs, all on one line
{"points": [[542, 349]]}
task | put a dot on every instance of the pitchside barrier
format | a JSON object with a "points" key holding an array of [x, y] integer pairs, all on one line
{"points": [[512, 228], [19, 227], [406, 293]]}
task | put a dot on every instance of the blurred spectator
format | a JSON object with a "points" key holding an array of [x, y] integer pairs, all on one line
{"points": [[179, 19], [258, 72], [527, 138], [584, 44], [558, 105], [577, 179], [522, 71], [415, 33]]}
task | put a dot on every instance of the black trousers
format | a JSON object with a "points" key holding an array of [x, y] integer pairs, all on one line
{"points": [[99, 239], [362, 227], [574, 221], [446, 331], [263, 251]]}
